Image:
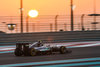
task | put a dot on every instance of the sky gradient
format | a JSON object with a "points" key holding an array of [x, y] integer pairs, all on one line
{"points": [[9, 9], [47, 7]]}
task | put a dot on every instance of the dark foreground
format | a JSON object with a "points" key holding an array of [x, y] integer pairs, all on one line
{"points": [[80, 57]]}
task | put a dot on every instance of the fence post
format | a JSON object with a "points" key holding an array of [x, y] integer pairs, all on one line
{"points": [[51, 27]]}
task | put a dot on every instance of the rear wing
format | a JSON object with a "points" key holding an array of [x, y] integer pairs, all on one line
{"points": [[22, 43]]}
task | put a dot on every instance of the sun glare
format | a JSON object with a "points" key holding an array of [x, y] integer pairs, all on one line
{"points": [[33, 13]]}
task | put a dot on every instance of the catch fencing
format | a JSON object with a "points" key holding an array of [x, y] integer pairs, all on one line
{"points": [[47, 23]]}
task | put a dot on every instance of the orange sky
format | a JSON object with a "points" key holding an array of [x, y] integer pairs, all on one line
{"points": [[47, 7]]}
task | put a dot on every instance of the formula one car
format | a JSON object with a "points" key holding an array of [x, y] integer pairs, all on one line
{"points": [[37, 48]]}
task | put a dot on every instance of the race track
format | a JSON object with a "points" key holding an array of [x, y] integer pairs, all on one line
{"points": [[83, 56]]}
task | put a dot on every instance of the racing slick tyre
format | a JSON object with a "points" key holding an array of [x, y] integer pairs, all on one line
{"points": [[63, 50], [33, 52], [18, 52]]}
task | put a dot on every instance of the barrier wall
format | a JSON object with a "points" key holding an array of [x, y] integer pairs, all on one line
{"points": [[67, 36]]}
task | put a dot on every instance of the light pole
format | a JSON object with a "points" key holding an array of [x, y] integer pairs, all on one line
{"points": [[51, 27], [21, 15], [56, 23], [33, 27], [27, 22], [65, 26], [82, 22], [94, 10], [72, 20]]}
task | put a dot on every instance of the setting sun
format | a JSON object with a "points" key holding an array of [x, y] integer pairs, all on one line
{"points": [[33, 13]]}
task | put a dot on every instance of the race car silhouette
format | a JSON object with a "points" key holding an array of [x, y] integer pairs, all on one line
{"points": [[37, 48]]}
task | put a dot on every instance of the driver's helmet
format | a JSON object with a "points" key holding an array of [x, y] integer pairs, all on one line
{"points": [[40, 43]]}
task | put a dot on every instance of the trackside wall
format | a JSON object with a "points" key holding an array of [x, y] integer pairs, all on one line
{"points": [[67, 36]]}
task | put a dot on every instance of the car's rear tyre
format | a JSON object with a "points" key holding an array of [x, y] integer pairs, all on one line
{"points": [[63, 49], [18, 52], [33, 52]]}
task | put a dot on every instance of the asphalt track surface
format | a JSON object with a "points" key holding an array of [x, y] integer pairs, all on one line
{"points": [[80, 57]]}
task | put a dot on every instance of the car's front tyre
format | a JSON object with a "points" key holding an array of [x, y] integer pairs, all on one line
{"points": [[63, 49], [33, 52]]}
